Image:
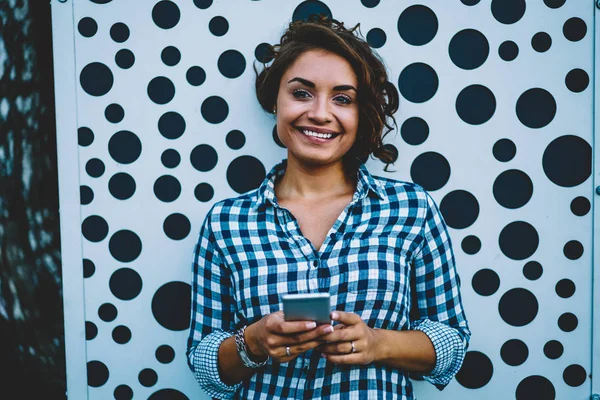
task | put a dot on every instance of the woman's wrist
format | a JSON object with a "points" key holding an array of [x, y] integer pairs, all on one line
{"points": [[254, 350]]}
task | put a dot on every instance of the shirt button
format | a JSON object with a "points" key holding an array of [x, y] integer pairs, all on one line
{"points": [[315, 263]]}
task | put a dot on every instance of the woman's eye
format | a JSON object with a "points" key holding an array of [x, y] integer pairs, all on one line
{"points": [[344, 99], [300, 94]]}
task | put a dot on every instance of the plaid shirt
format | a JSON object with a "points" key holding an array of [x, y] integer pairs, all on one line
{"points": [[388, 258]]}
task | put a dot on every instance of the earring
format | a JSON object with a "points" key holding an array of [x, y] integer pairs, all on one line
{"points": [[275, 110]]}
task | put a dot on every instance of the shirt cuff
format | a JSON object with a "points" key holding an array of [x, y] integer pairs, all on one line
{"points": [[449, 351], [206, 366]]}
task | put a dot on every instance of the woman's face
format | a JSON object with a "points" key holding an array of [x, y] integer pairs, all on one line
{"points": [[317, 96]]}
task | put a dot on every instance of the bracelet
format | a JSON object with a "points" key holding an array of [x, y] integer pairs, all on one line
{"points": [[240, 344]]}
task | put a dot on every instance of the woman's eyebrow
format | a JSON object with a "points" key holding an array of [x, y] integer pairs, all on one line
{"points": [[312, 85]]}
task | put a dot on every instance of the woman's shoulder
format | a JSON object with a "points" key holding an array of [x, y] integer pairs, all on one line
{"points": [[400, 189], [232, 206]]}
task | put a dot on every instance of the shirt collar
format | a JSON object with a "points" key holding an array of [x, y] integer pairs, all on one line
{"points": [[365, 183]]}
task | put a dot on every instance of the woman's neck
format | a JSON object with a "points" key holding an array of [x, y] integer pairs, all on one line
{"points": [[313, 183]]}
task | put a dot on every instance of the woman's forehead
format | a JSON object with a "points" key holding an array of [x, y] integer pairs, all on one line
{"points": [[321, 67]]}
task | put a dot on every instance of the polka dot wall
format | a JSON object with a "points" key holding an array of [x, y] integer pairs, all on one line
{"points": [[495, 122]]}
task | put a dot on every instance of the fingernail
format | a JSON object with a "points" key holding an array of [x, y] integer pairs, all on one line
{"points": [[323, 355], [310, 325], [334, 315], [329, 329]]}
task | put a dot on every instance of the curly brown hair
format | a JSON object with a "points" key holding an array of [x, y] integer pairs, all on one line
{"points": [[377, 96]]}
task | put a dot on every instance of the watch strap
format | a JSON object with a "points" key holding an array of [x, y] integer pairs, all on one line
{"points": [[242, 349]]}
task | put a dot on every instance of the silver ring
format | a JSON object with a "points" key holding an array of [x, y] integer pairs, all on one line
{"points": [[353, 348], [287, 350]]}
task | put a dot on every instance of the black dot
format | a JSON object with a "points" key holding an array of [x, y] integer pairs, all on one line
{"points": [[170, 158], [214, 109], [475, 104], [276, 138], [121, 334], [166, 14], [203, 4], [418, 82], [554, 3], [171, 125], [97, 373], [124, 147], [121, 185], [535, 387], [536, 108], [195, 76], [85, 136], [460, 209], [107, 312], [165, 354], [518, 307], [541, 42], [96, 79], [469, 2], [513, 188], [430, 170], [565, 288], [148, 377], [553, 349], [94, 168], [203, 157], [235, 139], [519, 240], [393, 151], [508, 11], [87, 27], [91, 330], [94, 228], [161, 90], [177, 226], [124, 58], [514, 352], [305, 9], [114, 113], [567, 161], [231, 64], [471, 244], [218, 26], [414, 131], [574, 29], [369, 3], [123, 392], [577, 80], [574, 375], [533, 270], [172, 296], [167, 188], [204, 192], [567, 322], [88, 268], [125, 284], [504, 150], [476, 371], [417, 25], [485, 282], [469, 49], [580, 206], [168, 394], [264, 53], [508, 50], [573, 250], [119, 32], [170, 56], [86, 195], [376, 38], [245, 173], [125, 246]]}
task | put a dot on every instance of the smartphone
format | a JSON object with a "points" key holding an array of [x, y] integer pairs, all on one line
{"points": [[307, 307]]}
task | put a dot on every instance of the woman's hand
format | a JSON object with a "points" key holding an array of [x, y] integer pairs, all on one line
{"points": [[351, 330], [272, 334]]}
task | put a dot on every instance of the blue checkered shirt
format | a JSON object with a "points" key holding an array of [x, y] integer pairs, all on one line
{"points": [[388, 258]]}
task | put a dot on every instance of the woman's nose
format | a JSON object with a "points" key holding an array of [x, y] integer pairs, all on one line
{"points": [[319, 111]]}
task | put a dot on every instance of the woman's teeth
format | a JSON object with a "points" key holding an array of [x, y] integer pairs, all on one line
{"points": [[319, 135]]}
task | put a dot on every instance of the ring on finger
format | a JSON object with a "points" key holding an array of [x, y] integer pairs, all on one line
{"points": [[353, 348], [287, 350]]}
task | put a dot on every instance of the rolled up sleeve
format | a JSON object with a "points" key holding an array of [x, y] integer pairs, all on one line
{"points": [[437, 308], [212, 311]]}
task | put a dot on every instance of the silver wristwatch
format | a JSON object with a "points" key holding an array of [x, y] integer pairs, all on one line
{"points": [[240, 344]]}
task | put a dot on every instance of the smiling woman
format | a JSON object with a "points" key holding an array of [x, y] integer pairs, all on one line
{"points": [[321, 223]]}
